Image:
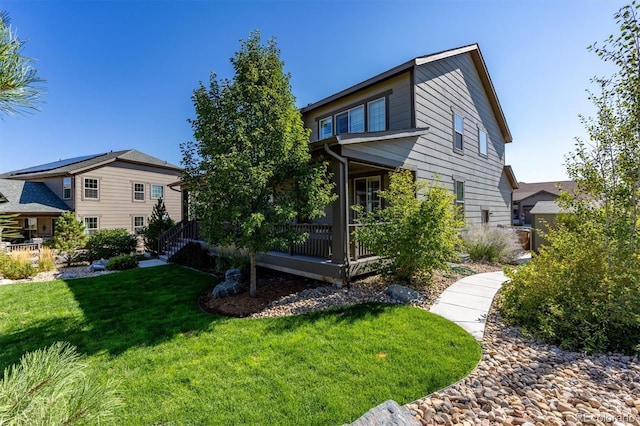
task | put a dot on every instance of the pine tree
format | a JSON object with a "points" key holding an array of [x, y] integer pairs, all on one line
{"points": [[69, 236], [159, 222], [9, 227]]}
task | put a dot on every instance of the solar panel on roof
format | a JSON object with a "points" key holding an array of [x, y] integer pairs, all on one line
{"points": [[54, 165]]}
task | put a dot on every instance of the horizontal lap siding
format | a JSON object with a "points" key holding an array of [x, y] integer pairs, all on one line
{"points": [[454, 83], [399, 104], [116, 207]]}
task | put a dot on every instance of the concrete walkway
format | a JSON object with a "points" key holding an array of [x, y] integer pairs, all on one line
{"points": [[151, 263], [467, 302]]}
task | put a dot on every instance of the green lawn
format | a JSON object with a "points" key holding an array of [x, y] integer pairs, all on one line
{"points": [[179, 365]]}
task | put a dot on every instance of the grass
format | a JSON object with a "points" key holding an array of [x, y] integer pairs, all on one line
{"points": [[179, 365]]}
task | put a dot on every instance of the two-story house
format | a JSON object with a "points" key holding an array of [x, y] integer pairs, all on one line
{"points": [[437, 115], [109, 190]]}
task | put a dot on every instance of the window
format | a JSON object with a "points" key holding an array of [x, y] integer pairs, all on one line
{"points": [[157, 191], [91, 188], [485, 216], [376, 116], [31, 223], [138, 224], [325, 128], [91, 225], [366, 193], [138, 192], [351, 121], [482, 142], [458, 127], [459, 189], [66, 188]]}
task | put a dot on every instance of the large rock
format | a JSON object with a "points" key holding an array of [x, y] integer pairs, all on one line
{"points": [[403, 294], [388, 413], [231, 285], [98, 265]]}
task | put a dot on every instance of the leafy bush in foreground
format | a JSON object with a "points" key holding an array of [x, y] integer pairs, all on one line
{"points": [[491, 244], [568, 295], [51, 386], [17, 266], [123, 262]]}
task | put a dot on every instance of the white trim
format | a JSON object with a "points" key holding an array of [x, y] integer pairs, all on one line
{"points": [[151, 191], [84, 189], [136, 192]]}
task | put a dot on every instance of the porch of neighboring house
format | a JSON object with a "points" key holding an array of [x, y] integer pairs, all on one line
{"points": [[34, 228], [330, 252]]}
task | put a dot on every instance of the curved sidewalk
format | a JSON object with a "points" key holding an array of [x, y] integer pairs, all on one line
{"points": [[467, 301]]}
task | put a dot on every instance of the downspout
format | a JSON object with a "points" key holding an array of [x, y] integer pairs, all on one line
{"points": [[347, 253]]}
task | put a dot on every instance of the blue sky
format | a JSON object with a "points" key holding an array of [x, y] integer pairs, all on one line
{"points": [[120, 74]]}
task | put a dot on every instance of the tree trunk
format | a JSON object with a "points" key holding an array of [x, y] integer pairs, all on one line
{"points": [[252, 273]]}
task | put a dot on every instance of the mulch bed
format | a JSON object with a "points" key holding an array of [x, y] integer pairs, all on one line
{"points": [[271, 286]]}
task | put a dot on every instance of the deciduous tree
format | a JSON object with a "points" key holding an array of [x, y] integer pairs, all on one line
{"points": [[249, 167]]}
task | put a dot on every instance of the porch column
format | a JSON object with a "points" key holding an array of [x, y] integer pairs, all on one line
{"points": [[339, 208]]}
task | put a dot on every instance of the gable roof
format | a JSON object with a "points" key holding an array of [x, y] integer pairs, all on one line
{"points": [[526, 190], [18, 196], [71, 166], [478, 60]]}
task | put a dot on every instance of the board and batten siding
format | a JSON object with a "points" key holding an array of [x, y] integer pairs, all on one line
{"points": [[453, 85], [116, 207], [399, 105]]}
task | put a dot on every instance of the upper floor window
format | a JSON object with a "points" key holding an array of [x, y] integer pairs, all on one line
{"points": [[376, 115], [326, 128], [66, 188], [482, 142], [458, 133], [351, 121], [157, 191], [91, 189], [138, 191]]}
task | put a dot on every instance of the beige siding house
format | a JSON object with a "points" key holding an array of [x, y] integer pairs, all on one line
{"points": [[106, 191], [437, 115]]}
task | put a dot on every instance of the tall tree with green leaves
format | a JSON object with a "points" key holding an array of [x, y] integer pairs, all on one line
{"points": [[20, 86], [249, 168], [69, 236], [9, 227]]}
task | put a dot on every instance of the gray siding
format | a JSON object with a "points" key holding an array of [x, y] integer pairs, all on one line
{"points": [[116, 207], [449, 85], [399, 106]]}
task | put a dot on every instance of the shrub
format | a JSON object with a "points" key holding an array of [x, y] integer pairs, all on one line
{"points": [[415, 234], [122, 262], [17, 266], [108, 243], [566, 295], [52, 386], [487, 244]]}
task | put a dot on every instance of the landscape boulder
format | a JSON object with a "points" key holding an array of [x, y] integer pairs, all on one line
{"points": [[98, 265], [389, 413], [402, 294], [231, 285]]}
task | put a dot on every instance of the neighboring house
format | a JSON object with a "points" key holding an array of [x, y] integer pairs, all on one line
{"points": [[527, 195], [106, 191], [437, 115], [35, 203]]}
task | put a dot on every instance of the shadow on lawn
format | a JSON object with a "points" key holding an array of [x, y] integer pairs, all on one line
{"points": [[344, 314], [142, 307]]}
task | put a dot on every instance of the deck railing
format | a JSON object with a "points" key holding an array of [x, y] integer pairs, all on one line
{"points": [[172, 240], [31, 247], [357, 250], [317, 243]]}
